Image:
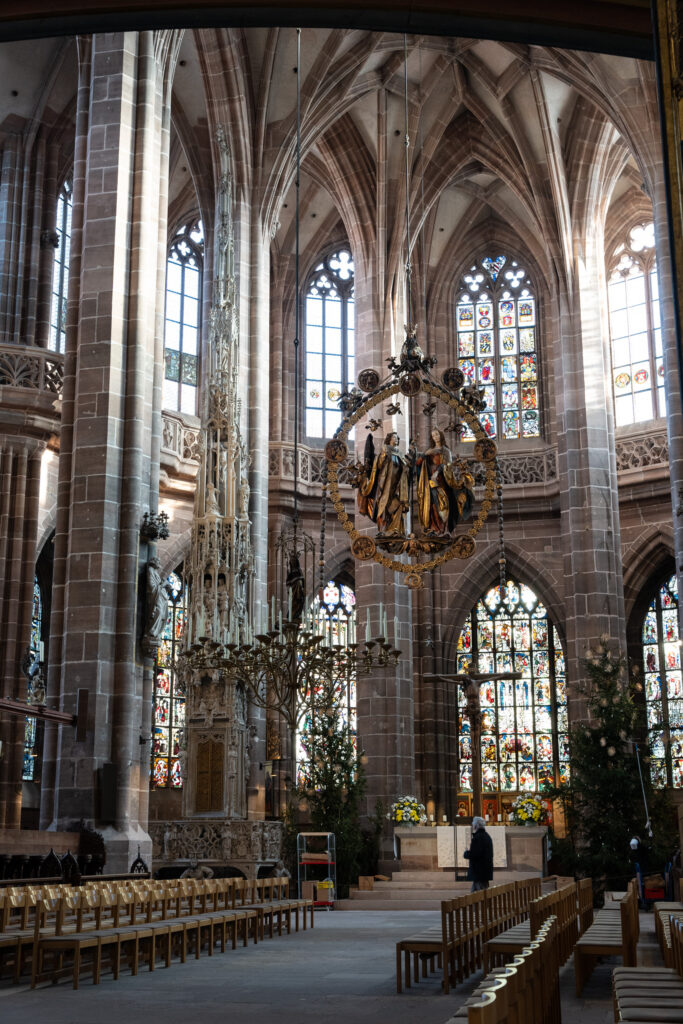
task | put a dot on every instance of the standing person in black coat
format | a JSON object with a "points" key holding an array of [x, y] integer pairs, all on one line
{"points": [[480, 856]]}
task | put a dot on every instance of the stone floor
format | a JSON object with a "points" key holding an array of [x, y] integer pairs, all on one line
{"points": [[342, 972]]}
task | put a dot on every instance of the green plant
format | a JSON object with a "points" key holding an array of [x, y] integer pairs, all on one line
{"points": [[335, 784], [603, 800]]}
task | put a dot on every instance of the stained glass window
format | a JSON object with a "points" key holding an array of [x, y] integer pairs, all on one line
{"points": [[168, 726], [497, 325], [524, 736], [637, 363], [183, 319], [663, 686], [336, 614], [60, 270], [329, 323], [31, 731]]}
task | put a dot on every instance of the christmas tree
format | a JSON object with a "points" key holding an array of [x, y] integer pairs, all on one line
{"points": [[334, 786], [604, 800]]}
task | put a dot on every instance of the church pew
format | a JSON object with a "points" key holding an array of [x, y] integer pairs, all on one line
{"points": [[561, 904], [609, 935], [651, 994]]}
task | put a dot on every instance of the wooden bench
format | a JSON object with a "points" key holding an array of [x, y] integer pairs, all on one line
{"points": [[525, 990], [651, 994], [611, 934], [561, 904], [457, 947], [142, 922]]}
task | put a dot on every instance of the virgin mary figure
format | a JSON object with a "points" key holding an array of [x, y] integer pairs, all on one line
{"points": [[445, 491]]}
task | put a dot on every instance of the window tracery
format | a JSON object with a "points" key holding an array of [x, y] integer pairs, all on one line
{"points": [[335, 614], [636, 337], [329, 335], [661, 652], [497, 345], [60, 270], [184, 269], [169, 699], [524, 735]]}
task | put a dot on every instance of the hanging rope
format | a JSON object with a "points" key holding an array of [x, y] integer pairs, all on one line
{"points": [[407, 152], [297, 297], [648, 823]]}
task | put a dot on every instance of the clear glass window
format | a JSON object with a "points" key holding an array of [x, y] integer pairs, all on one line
{"points": [[633, 295], [183, 319], [329, 327], [60, 270]]}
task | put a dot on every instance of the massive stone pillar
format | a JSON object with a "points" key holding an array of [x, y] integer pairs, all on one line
{"points": [[30, 388], [590, 527], [107, 458]]}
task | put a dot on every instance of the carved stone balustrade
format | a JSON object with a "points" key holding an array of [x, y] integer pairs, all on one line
{"points": [[31, 382]]}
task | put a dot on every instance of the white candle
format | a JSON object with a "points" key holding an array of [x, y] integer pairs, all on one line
{"points": [[444, 818], [272, 611], [487, 817], [395, 630], [500, 817], [367, 627], [381, 616], [289, 604], [431, 817], [384, 625]]}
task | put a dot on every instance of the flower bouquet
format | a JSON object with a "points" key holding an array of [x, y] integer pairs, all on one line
{"points": [[528, 809], [407, 810]]}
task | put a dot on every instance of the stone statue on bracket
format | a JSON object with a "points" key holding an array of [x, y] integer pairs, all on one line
{"points": [[158, 593]]}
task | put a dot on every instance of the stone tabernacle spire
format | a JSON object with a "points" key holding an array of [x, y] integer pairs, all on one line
{"points": [[219, 568]]}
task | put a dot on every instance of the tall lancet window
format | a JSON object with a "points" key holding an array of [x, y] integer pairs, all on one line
{"points": [[637, 363], [60, 270], [664, 686], [524, 735], [497, 343], [169, 699], [329, 325], [183, 319], [335, 612]]}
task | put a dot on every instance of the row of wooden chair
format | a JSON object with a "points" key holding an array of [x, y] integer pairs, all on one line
{"points": [[467, 922], [567, 904], [614, 932], [525, 990], [652, 994], [52, 922]]}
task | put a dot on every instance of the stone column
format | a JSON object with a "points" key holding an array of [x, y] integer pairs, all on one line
{"points": [[106, 457], [587, 463]]}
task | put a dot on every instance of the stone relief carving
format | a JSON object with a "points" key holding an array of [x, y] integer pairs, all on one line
{"points": [[250, 841], [179, 440]]}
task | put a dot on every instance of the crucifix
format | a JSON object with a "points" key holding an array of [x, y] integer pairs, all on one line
{"points": [[470, 683]]}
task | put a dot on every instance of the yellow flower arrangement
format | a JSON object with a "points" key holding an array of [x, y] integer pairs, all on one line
{"points": [[407, 810], [528, 808]]}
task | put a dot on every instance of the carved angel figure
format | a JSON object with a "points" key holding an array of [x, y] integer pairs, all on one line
{"points": [[384, 491]]}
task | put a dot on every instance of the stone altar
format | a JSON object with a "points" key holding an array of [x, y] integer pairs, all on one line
{"points": [[515, 847]]}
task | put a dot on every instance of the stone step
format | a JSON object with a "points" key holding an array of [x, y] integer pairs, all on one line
{"points": [[385, 904], [403, 895]]}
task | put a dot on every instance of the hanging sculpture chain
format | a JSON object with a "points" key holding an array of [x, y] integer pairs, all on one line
{"points": [[422, 524]]}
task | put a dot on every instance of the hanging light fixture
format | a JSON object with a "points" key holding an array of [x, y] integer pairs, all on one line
{"points": [[294, 661]]}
